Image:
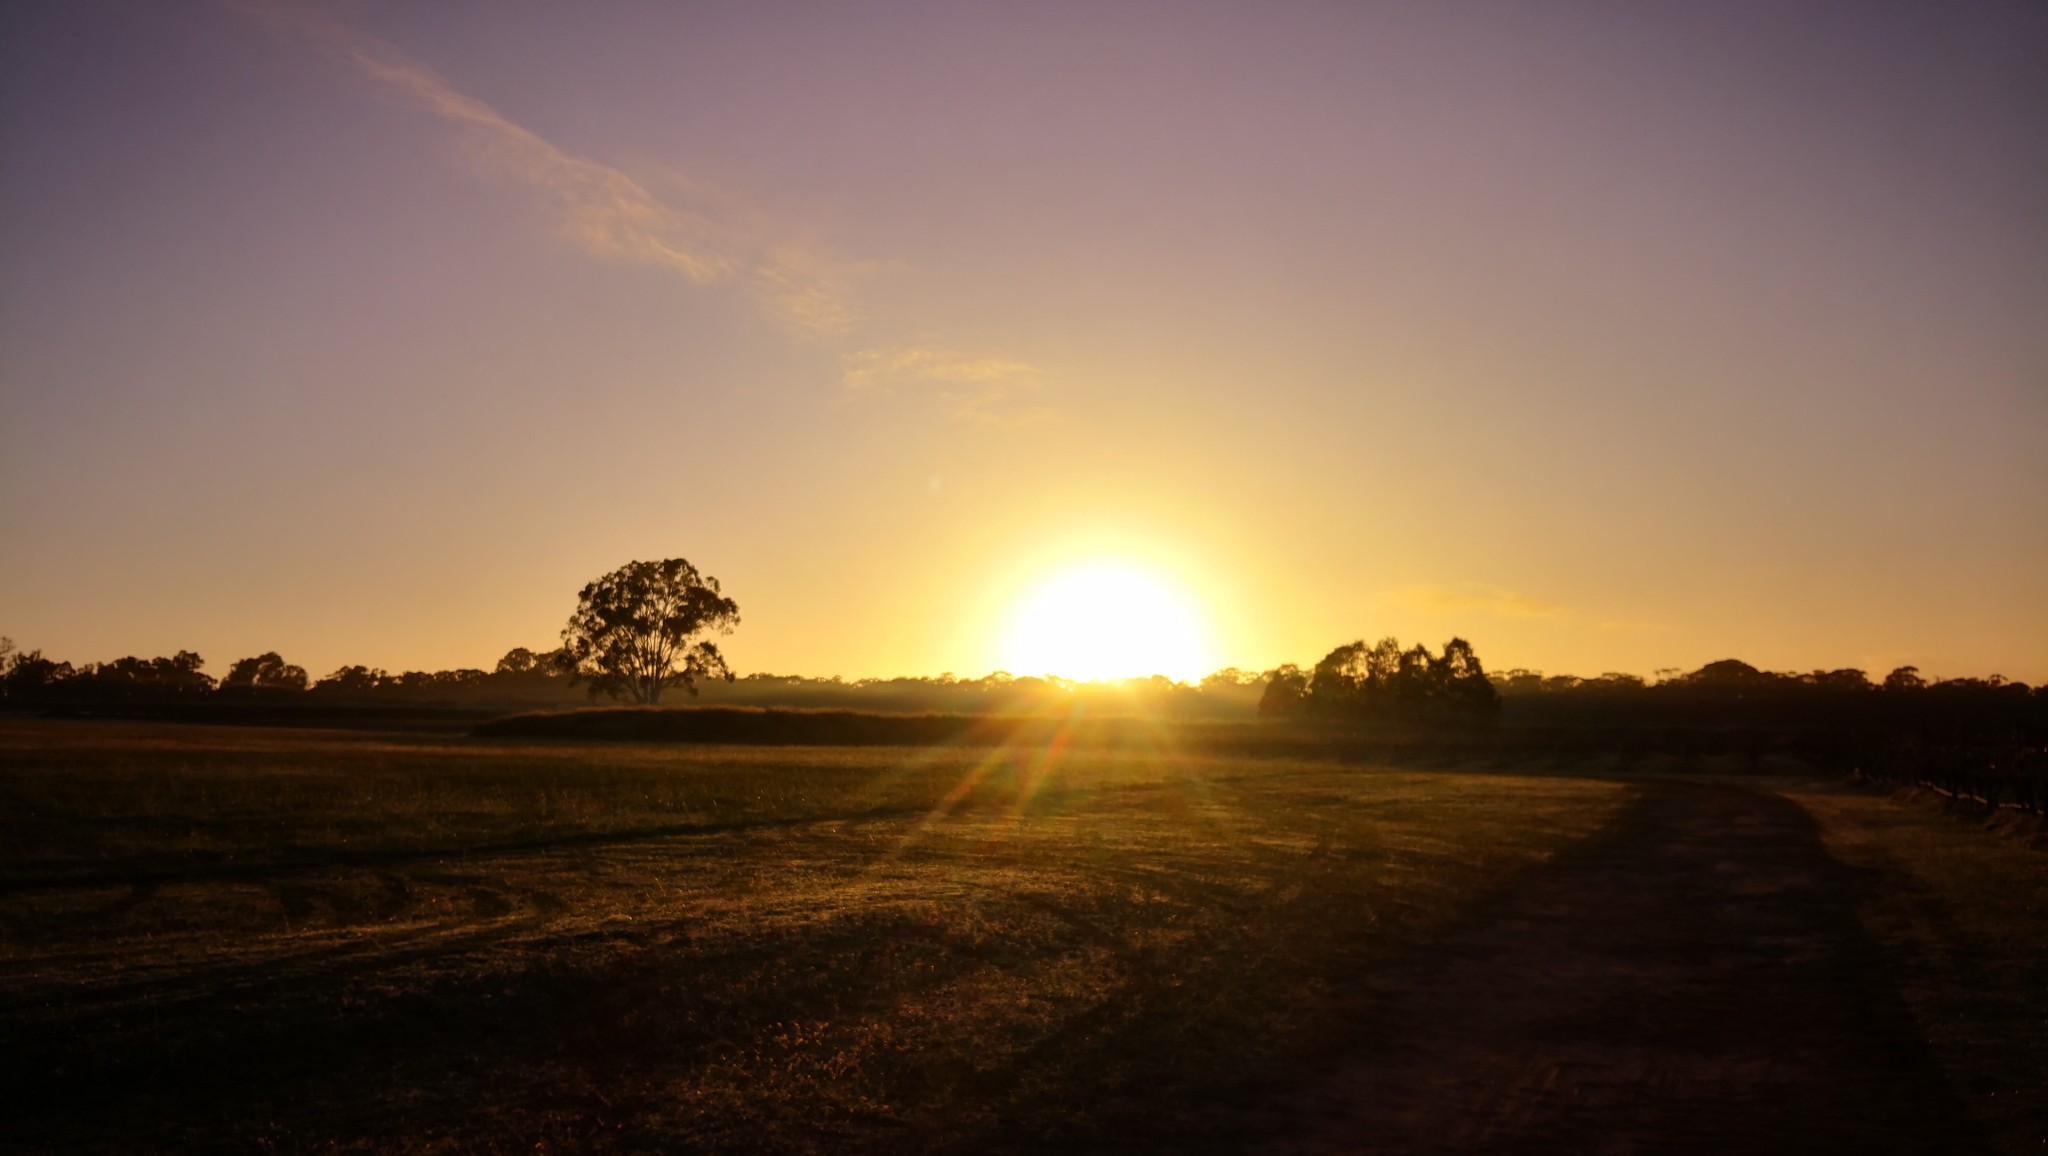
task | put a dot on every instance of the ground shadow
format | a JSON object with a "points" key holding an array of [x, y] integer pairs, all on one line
{"points": [[1694, 980]]}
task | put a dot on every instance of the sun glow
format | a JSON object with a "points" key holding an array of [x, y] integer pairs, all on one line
{"points": [[1107, 621]]}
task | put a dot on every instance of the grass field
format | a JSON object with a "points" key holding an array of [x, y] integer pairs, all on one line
{"points": [[285, 941], [1962, 916], [329, 941]]}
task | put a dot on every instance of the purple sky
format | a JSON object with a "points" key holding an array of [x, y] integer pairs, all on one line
{"points": [[1610, 336]]}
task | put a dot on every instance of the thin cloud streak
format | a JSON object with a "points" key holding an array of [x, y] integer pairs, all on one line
{"points": [[609, 215], [797, 287], [603, 211], [984, 390], [896, 366]]}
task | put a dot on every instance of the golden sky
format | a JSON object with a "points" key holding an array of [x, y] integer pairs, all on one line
{"points": [[1608, 338]]}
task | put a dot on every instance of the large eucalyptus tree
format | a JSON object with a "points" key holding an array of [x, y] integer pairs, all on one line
{"points": [[642, 628]]}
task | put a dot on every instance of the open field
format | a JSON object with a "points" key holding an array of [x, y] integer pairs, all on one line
{"points": [[264, 940], [1961, 917]]}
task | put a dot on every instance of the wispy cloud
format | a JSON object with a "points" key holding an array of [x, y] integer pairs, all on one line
{"points": [[1474, 598], [897, 366], [608, 214], [983, 389], [601, 209], [800, 288]]}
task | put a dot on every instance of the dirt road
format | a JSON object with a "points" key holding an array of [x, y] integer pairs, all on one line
{"points": [[1694, 981]]}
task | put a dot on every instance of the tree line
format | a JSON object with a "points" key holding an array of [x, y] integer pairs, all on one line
{"points": [[1386, 682], [650, 626], [527, 677]]}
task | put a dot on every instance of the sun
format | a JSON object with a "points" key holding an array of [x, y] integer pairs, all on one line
{"points": [[1107, 621]]}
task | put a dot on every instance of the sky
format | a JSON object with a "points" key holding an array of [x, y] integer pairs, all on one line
{"points": [[1611, 337]]}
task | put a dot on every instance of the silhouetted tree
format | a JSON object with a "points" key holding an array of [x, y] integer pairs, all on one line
{"points": [[1730, 673], [353, 680], [638, 630], [1616, 681], [1383, 680], [519, 660], [1904, 678], [1466, 690], [1350, 679], [30, 675], [131, 676], [1286, 691], [264, 672]]}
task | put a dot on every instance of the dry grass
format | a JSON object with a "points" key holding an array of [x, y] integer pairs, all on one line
{"points": [[303, 942], [1961, 914]]}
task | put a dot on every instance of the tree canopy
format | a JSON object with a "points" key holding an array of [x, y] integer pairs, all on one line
{"points": [[641, 629], [264, 672], [1386, 681]]}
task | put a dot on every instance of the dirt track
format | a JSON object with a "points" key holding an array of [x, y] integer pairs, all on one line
{"points": [[1695, 981]]}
